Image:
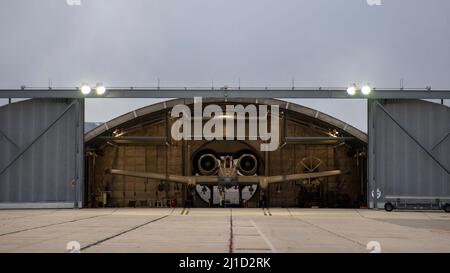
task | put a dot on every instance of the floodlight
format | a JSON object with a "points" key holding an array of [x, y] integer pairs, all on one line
{"points": [[100, 89], [351, 90], [366, 89], [85, 89]]}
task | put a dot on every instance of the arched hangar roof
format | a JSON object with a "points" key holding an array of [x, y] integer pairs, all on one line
{"points": [[134, 117]]}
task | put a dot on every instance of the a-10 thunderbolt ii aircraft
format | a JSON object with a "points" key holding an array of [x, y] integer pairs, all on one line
{"points": [[226, 172]]}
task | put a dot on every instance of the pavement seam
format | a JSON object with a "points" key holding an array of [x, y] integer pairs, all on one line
{"points": [[27, 216], [230, 245], [329, 231], [290, 213], [272, 248], [55, 224], [123, 232], [383, 221]]}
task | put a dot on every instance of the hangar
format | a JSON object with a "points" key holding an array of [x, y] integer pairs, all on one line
{"points": [[311, 141], [406, 152]]}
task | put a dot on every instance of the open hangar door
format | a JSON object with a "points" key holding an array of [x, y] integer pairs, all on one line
{"points": [[409, 150], [41, 158], [139, 142]]}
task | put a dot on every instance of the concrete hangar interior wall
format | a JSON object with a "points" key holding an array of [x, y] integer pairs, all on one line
{"points": [[310, 141]]}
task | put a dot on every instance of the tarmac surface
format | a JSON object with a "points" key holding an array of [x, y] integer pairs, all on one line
{"points": [[223, 230]]}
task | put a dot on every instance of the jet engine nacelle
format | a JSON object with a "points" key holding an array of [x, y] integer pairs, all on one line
{"points": [[247, 164], [208, 164]]}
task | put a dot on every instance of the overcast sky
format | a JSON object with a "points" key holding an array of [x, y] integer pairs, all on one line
{"points": [[195, 42]]}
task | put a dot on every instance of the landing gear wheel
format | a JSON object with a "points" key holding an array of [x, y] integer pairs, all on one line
{"points": [[388, 206]]}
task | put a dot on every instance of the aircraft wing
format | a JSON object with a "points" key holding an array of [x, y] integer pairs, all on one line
{"points": [[264, 181], [301, 176], [157, 176], [206, 179], [189, 180]]}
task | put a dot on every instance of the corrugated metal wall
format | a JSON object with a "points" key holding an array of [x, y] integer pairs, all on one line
{"points": [[409, 149], [41, 148]]}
